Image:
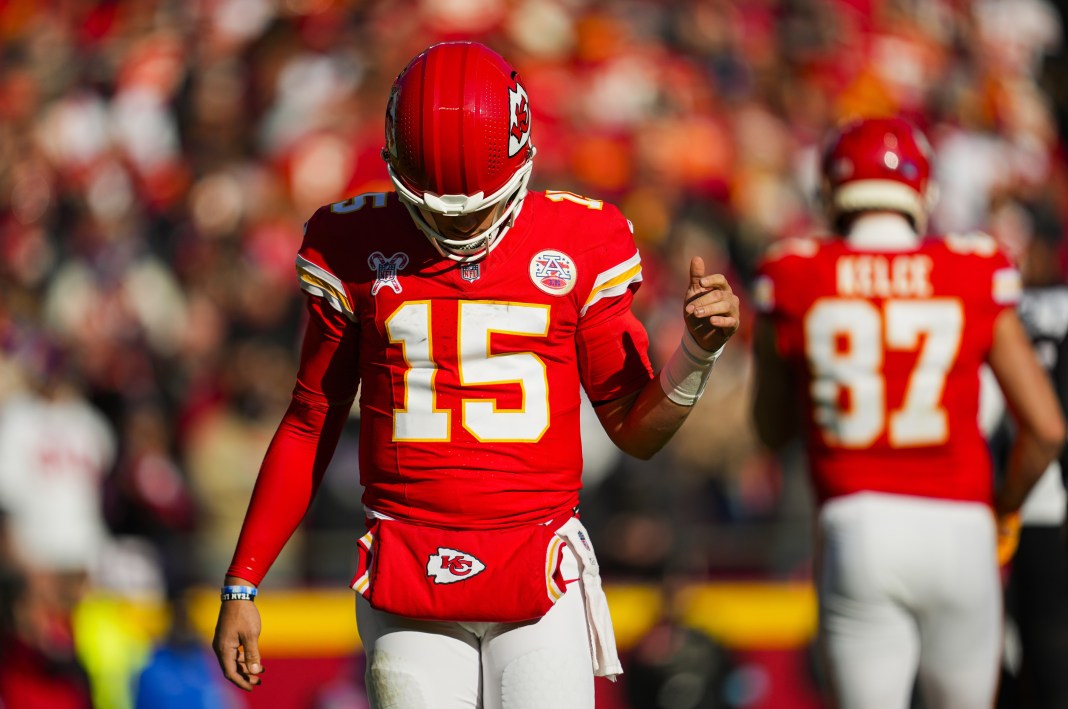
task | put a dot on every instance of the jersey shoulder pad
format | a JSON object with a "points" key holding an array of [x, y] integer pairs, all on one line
{"points": [[582, 214], [335, 225], [980, 256], [799, 246], [972, 243], [783, 268], [605, 242], [328, 255], [570, 201]]}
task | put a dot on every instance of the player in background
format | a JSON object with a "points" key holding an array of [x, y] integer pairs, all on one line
{"points": [[873, 339], [1037, 592], [468, 312]]}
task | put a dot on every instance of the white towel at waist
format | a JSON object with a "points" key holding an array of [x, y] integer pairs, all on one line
{"points": [[598, 620]]}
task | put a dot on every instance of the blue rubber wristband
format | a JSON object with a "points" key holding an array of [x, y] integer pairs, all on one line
{"points": [[238, 593]]}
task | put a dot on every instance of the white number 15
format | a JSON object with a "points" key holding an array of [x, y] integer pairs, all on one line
{"points": [[421, 420]]}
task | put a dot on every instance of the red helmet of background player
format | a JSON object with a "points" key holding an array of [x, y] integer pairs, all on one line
{"points": [[878, 163], [458, 143]]}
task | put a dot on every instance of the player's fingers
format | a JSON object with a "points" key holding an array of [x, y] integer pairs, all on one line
{"points": [[708, 306], [228, 653], [697, 271], [721, 315], [728, 323], [252, 657], [713, 303], [247, 675], [716, 281], [244, 669]]}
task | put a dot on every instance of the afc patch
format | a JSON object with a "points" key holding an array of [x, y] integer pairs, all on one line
{"points": [[553, 272]]}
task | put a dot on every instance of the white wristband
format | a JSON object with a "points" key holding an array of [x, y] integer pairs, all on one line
{"points": [[685, 375]]}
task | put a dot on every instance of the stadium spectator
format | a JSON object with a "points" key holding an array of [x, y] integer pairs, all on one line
{"points": [[55, 452]]}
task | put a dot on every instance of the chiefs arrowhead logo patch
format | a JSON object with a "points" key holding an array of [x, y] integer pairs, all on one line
{"points": [[450, 566]]}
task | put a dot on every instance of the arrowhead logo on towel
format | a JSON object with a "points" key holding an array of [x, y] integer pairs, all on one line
{"points": [[450, 566]]}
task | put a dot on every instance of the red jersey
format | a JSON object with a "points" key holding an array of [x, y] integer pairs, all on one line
{"points": [[887, 348], [470, 374]]}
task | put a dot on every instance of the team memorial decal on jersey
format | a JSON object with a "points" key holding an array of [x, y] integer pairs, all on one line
{"points": [[553, 272], [450, 566], [386, 270]]}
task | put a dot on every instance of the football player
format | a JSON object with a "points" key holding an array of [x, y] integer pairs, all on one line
{"points": [[873, 338], [469, 312]]}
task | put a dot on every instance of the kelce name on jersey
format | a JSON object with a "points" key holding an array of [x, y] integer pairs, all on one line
{"points": [[877, 276]]}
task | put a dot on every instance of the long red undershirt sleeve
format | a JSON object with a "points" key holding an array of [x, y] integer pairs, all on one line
{"points": [[304, 443]]}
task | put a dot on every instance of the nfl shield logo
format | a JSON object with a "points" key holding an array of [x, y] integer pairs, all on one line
{"points": [[470, 272]]}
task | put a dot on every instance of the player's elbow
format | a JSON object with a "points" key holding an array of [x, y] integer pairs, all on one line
{"points": [[1049, 434], [774, 438], [638, 446], [773, 425], [641, 452], [1044, 437]]}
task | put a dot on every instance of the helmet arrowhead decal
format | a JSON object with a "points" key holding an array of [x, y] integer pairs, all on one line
{"points": [[519, 125]]}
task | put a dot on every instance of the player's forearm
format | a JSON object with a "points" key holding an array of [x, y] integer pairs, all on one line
{"points": [[288, 481], [642, 423], [1031, 454], [1034, 406]]}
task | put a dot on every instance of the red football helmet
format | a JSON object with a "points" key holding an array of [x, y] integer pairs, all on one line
{"points": [[458, 144], [878, 163]]}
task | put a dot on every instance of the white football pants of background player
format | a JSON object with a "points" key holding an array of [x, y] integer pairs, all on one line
{"points": [[909, 589], [415, 664]]}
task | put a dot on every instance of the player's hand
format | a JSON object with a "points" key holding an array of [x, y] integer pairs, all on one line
{"points": [[1008, 526], [236, 643], [711, 307]]}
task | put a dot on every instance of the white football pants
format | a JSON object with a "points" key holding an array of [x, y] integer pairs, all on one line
{"points": [[909, 590], [415, 664]]}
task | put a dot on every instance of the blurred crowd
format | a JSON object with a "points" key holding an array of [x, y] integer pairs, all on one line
{"points": [[158, 159]]}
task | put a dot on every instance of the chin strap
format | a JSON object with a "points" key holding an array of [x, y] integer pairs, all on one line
{"points": [[491, 236]]}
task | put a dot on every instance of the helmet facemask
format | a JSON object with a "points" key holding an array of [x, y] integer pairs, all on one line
{"points": [[508, 201]]}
